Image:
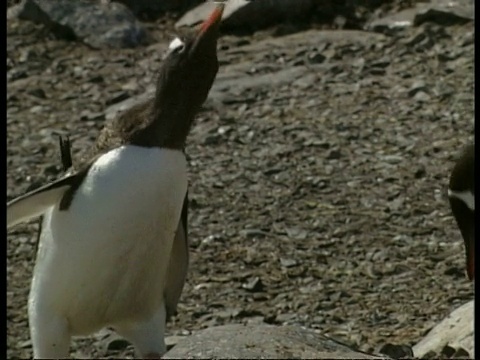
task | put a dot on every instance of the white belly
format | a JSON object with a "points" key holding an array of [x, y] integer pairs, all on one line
{"points": [[103, 261]]}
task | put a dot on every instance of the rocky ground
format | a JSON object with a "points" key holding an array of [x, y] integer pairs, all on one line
{"points": [[318, 172]]}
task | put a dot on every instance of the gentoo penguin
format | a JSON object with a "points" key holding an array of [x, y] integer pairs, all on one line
{"points": [[461, 194], [113, 250]]}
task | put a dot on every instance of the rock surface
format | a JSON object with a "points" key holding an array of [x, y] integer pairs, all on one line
{"points": [[455, 331], [442, 12], [149, 8], [94, 23], [446, 12], [250, 15], [261, 342]]}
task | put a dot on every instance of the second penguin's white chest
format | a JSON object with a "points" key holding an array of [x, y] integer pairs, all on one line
{"points": [[104, 259]]}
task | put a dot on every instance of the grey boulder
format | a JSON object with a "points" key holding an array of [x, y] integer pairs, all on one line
{"points": [[455, 331], [251, 15], [262, 342], [96, 24], [155, 7]]}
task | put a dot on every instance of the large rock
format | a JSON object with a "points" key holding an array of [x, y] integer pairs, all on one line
{"points": [[446, 12], [442, 12], [96, 24], [143, 7], [262, 342], [393, 22], [455, 331], [250, 15]]}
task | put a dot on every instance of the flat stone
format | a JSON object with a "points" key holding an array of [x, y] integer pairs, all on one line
{"points": [[456, 331], [446, 12], [396, 21], [262, 342]]}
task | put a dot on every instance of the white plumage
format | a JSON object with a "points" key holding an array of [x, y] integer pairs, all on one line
{"points": [[467, 197], [103, 261]]}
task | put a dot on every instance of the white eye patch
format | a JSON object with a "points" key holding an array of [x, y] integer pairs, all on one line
{"points": [[175, 44]]}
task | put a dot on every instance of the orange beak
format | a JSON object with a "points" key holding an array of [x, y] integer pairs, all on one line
{"points": [[213, 20]]}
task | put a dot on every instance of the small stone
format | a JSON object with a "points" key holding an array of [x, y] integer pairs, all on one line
{"points": [[378, 71], [288, 262], [334, 154], [283, 318], [420, 172], [253, 285], [448, 351], [416, 87], [461, 353], [27, 344], [297, 233], [117, 344], [316, 58], [396, 351], [117, 97], [256, 320], [87, 115], [36, 109], [39, 93], [171, 341], [422, 97]]}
